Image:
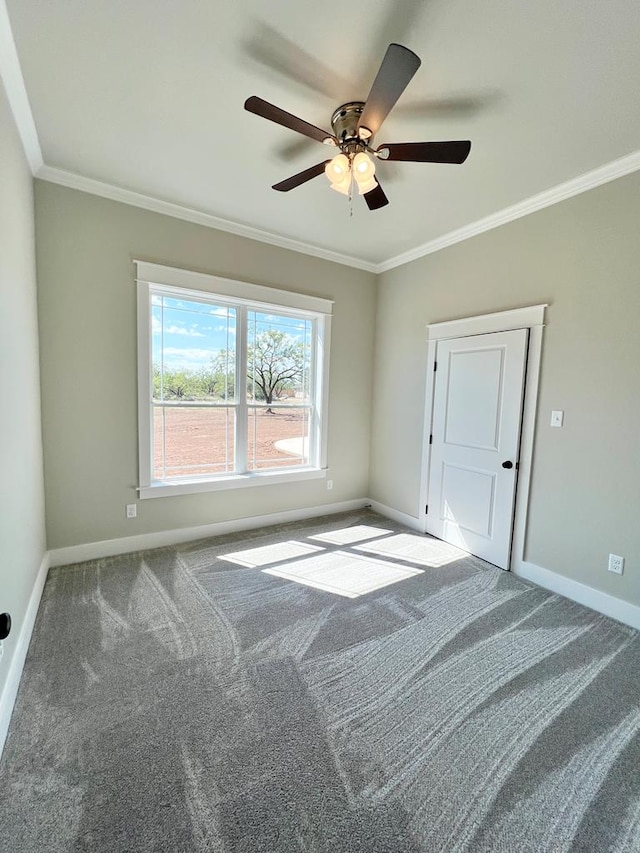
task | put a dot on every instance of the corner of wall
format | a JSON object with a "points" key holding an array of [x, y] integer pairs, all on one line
{"points": [[20, 649]]}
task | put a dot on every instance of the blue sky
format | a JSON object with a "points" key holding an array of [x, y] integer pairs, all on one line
{"points": [[191, 332], [194, 332]]}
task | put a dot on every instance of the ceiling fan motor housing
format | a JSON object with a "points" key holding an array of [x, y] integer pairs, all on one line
{"points": [[344, 123]]}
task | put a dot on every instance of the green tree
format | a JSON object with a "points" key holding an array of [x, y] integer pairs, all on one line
{"points": [[178, 384], [275, 362], [222, 373], [205, 383]]}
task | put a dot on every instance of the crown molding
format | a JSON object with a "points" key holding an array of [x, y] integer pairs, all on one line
{"points": [[11, 75], [587, 181], [89, 185]]}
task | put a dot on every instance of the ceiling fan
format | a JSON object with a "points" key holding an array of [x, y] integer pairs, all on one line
{"points": [[354, 125]]}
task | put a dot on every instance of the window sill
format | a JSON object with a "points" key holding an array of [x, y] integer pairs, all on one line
{"points": [[161, 489]]}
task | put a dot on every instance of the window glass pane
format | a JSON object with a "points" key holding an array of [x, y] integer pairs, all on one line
{"points": [[193, 347], [279, 365], [189, 441], [207, 392], [278, 437]]}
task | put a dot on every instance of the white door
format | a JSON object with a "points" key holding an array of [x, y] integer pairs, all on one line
{"points": [[477, 410]]}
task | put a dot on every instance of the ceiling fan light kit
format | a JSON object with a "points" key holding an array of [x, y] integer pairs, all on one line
{"points": [[354, 125], [344, 169], [338, 168]]}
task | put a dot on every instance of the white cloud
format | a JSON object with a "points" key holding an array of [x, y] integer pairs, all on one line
{"points": [[156, 328], [187, 359], [188, 353], [181, 330]]}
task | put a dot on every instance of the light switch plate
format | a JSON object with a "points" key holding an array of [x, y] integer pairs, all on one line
{"points": [[557, 418]]}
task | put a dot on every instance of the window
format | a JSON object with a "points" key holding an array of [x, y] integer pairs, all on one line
{"points": [[232, 383]]}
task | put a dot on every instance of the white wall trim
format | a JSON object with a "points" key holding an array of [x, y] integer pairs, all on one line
{"points": [[396, 515], [10, 691], [233, 290], [11, 74], [146, 541], [198, 217], [602, 602], [425, 466], [517, 318], [587, 181]]}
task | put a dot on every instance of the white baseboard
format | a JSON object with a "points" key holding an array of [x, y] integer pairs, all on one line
{"points": [[604, 603], [395, 515], [10, 691], [145, 541]]}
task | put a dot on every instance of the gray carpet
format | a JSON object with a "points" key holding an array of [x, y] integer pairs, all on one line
{"points": [[195, 699]]}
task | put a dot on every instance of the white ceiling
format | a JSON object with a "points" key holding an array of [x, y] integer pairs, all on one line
{"points": [[148, 96]]}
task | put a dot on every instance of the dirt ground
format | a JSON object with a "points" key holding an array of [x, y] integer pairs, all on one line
{"points": [[201, 441]]}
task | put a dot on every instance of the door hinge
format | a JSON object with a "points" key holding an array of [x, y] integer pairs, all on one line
{"points": [[435, 366], [426, 510], [431, 439]]}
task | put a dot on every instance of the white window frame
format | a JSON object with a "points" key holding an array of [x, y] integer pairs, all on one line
{"points": [[243, 296]]}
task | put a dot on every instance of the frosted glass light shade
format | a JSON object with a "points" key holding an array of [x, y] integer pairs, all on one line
{"points": [[343, 186], [338, 168], [367, 186], [363, 167]]}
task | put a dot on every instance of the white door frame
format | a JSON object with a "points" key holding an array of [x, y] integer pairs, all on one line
{"points": [[531, 318]]}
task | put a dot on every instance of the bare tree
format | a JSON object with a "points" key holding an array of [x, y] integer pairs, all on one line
{"points": [[275, 361]]}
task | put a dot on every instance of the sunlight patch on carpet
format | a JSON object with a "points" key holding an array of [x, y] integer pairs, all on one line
{"points": [[349, 535], [415, 549], [267, 554], [350, 575]]}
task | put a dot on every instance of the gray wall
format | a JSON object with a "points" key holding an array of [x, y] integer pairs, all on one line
{"points": [[22, 543], [85, 247], [583, 257]]}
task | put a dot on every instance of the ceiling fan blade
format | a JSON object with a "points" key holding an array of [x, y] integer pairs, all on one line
{"points": [[460, 105], [398, 67], [397, 22], [295, 147], [269, 111], [277, 53], [301, 178], [426, 152], [376, 198]]}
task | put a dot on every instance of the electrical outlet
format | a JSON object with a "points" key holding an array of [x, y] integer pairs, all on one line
{"points": [[616, 564], [132, 510], [329, 485]]}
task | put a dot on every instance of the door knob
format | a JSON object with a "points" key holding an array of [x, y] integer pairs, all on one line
{"points": [[507, 464]]}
